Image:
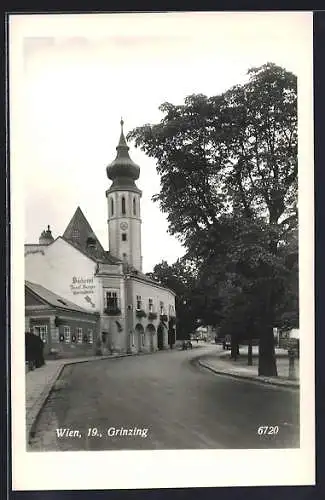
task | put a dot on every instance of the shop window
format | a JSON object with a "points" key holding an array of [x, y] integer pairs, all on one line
{"points": [[150, 305], [90, 336], [123, 206], [79, 335], [139, 302], [124, 238], [67, 334], [41, 331]]}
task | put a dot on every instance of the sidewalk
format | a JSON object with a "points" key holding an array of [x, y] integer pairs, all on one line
{"points": [[39, 383], [221, 364]]}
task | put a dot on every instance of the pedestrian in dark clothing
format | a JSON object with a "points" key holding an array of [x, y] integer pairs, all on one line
{"points": [[40, 351], [34, 350], [29, 351]]}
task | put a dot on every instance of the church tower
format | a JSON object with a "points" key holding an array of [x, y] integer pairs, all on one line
{"points": [[123, 201]]}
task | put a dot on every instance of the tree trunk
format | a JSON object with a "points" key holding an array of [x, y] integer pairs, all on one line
{"points": [[266, 359], [250, 353], [234, 348]]}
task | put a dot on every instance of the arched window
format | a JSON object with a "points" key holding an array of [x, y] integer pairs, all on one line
{"points": [[134, 207], [123, 205], [112, 206]]}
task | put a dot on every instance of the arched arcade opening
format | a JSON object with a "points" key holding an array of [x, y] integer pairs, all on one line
{"points": [[150, 335], [139, 337]]}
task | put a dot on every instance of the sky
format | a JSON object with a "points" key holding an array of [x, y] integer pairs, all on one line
{"points": [[81, 73]]}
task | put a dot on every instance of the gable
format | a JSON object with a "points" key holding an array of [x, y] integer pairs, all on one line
{"points": [[79, 232]]}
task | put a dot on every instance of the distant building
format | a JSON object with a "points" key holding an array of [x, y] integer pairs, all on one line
{"points": [[135, 313]]}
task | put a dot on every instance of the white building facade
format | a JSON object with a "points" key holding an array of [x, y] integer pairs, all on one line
{"points": [[136, 313]]}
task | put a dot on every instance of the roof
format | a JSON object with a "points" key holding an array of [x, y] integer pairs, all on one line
{"points": [[34, 248], [53, 299], [81, 236], [123, 171], [138, 274]]}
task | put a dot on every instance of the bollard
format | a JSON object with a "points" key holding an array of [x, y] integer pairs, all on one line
{"points": [[292, 368]]}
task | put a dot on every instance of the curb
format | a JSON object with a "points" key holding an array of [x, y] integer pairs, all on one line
{"points": [[32, 418], [258, 380]]}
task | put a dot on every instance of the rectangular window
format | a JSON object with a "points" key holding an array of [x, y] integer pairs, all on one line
{"points": [[111, 300], [123, 236], [161, 308], [41, 331], [139, 302], [150, 305], [67, 334], [79, 335], [90, 336], [142, 339]]}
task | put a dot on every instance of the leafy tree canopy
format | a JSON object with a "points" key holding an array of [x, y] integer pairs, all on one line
{"points": [[228, 170]]}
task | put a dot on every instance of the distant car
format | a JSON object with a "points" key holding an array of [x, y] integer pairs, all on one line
{"points": [[187, 344], [226, 343]]}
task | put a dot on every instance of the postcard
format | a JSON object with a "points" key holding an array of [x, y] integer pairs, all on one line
{"points": [[162, 303]]}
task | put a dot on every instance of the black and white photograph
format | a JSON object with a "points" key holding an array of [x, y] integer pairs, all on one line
{"points": [[162, 249]]}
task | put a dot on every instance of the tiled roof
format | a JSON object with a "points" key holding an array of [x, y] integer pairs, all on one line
{"points": [[53, 299], [79, 232]]}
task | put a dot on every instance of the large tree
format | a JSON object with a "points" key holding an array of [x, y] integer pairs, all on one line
{"points": [[228, 170]]}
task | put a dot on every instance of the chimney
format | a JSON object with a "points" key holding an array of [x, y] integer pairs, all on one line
{"points": [[46, 237]]}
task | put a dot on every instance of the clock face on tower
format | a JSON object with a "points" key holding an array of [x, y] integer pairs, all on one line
{"points": [[124, 225]]}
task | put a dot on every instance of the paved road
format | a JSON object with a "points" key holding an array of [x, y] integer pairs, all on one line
{"points": [[181, 404]]}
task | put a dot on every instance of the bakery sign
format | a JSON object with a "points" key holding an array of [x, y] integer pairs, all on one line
{"points": [[82, 286]]}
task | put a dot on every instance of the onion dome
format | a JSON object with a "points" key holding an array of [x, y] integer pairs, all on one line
{"points": [[123, 171]]}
